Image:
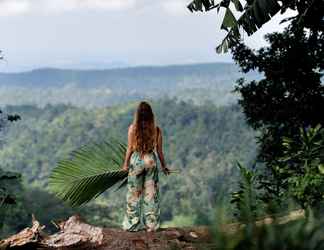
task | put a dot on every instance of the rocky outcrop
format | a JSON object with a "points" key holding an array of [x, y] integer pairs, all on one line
{"points": [[75, 233]]}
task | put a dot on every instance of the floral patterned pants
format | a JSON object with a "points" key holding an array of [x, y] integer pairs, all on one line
{"points": [[143, 201]]}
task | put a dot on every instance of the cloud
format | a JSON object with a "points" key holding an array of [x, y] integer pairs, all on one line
{"points": [[18, 7], [175, 7], [14, 7], [89, 4]]}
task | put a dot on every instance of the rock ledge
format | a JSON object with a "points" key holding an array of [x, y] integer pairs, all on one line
{"points": [[75, 233]]}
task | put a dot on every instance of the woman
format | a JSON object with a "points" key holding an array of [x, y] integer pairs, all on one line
{"points": [[144, 141]]}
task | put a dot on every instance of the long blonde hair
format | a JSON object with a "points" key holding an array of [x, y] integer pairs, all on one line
{"points": [[144, 129]]}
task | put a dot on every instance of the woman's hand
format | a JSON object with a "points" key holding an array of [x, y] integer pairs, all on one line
{"points": [[125, 168], [166, 170]]}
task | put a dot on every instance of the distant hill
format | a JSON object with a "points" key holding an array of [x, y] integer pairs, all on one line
{"points": [[113, 86], [123, 77]]}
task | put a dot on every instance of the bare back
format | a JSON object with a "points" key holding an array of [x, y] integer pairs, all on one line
{"points": [[131, 137]]}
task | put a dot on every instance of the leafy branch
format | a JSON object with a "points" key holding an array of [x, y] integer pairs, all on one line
{"points": [[255, 13]]}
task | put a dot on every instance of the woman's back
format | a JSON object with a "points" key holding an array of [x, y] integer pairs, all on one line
{"points": [[144, 139], [151, 145]]}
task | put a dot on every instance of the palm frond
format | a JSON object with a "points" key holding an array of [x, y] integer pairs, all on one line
{"points": [[88, 172], [122, 184]]}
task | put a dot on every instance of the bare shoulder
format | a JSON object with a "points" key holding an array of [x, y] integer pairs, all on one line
{"points": [[131, 128]]}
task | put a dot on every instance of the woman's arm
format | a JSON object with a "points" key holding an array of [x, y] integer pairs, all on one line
{"points": [[160, 153], [129, 150]]}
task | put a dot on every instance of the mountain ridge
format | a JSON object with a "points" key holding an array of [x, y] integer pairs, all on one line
{"points": [[118, 68], [126, 77]]}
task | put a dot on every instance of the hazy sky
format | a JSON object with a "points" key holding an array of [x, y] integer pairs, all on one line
{"points": [[101, 33]]}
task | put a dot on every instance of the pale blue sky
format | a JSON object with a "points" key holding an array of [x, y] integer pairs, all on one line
{"points": [[101, 33]]}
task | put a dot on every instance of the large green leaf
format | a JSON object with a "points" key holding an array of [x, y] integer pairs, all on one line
{"points": [[88, 172], [199, 5], [262, 10], [229, 20], [238, 5]]}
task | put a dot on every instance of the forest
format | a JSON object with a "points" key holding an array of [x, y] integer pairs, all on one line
{"points": [[245, 140], [207, 169]]}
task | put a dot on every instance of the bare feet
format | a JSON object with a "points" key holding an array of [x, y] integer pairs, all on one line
{"points": [[150, 230]]}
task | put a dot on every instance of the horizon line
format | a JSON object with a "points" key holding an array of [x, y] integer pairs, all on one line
{"points": [[116, 68]]}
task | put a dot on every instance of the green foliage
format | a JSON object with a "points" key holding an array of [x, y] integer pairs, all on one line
{"points": [[245, 199], [302, 165], [299, 235], [10, 188], [92, 169], [270, 232], [300, 171], [287, 98], [8, 182], [276, 232], [255, 13], [6, 118], [292, 66]]}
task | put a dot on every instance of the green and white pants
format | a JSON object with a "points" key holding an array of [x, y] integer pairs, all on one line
{"points": [[143, 201]]}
